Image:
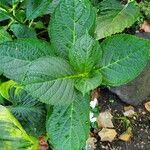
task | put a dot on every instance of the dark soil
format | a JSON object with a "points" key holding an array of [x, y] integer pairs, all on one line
{"points": [[140, 124]]}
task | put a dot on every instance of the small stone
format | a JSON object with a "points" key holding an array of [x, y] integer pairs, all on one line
{"points": [[129, 111], [126, 136], [147, 106], [126, 108], [143, 113], [91, 143], [134, 118], [104, 120], [107, 134], [103, 146]]}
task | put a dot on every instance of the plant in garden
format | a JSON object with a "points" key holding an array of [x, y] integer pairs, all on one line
{"points": [[57, 77]]}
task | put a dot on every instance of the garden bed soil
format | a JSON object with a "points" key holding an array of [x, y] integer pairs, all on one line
{"points": [[140, 124]]}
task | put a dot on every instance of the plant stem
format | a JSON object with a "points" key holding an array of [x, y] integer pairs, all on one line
{"points": [[10, 23], [30, 24], [8, 13]]}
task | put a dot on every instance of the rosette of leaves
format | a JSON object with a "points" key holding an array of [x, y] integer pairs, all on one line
{"points": [[64, 73]]}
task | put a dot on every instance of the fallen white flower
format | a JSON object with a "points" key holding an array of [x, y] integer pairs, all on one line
{"points": [[93, 103], [92, 118], [129, 113]]}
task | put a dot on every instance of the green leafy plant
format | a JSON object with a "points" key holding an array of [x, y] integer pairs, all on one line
{"points": [[61, 73]]}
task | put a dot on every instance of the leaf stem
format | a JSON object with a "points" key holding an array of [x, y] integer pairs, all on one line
{"points": [[8, 13], [30, 24]]}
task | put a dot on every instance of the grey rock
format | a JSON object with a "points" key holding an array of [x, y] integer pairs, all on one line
{"points": [[145, 35], [138, 90]]}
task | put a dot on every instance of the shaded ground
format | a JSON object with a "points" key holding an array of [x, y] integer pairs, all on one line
{"points": [[139, 123]]}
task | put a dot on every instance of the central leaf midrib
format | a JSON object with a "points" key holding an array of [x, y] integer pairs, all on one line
{"points": [[82, 75], [71, 117]]}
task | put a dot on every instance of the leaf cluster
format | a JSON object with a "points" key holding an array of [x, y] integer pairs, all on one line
{"points": [[51, 78]]}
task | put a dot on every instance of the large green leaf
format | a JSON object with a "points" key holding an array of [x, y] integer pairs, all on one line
{"points": [[22, 31], [36, 8], [114, 17], [50, 80], [124, 57], [15, 57], [71, 19], [69, 124], [85, 53], [30, 112], [13, 136]]}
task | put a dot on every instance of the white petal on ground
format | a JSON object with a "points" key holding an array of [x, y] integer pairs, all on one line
{"points": [[93, 103], [92, 118]]}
